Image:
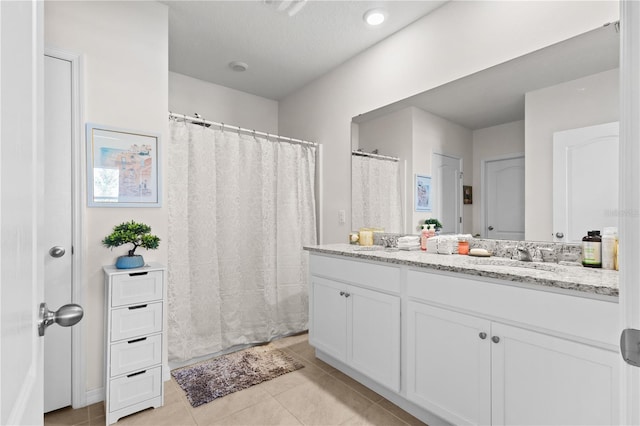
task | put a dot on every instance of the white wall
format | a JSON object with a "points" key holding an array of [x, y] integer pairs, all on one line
{"points": [[435, 135], [579, 103], [492, 143], [457, 39], [221, 104], [125, 51]]}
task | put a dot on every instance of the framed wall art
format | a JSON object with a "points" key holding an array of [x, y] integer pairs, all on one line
{"points": [[423, 193], [123, 167], [467, 194]]}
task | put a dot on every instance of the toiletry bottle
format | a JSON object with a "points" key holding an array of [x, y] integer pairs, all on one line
{"points": [[592, 250], [432, 230], [609, 252], [423, 238], [463, 246]]}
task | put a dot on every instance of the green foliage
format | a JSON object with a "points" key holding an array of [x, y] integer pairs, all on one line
{"points": [[433, 221], [134, 233]]}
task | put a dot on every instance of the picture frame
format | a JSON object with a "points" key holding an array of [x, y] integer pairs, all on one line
{"points": [[123, 167], [422, 194], [467, 194]]}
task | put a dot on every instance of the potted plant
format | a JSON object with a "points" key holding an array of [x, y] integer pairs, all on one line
{"points": [[134, 233], [434, 221]]}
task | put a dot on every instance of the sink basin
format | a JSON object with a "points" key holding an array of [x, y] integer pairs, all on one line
{"points": [[500, 261]]}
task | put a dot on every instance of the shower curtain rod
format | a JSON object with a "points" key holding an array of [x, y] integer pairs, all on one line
{"points": [[381, 157], [199, 120]]}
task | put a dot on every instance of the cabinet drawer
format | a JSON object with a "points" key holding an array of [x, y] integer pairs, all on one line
{"points": [[134, 388], [133, 355], [378, 277], [135, 321], [136, 287]]}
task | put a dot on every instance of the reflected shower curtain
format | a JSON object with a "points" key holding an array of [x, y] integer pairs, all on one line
{"points": [[240, 210], [375, 194]]}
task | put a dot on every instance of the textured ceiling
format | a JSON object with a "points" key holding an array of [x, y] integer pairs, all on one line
{"points": [[284, 52]]}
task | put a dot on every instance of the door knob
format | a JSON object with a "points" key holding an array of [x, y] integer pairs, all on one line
{"points": [[66, 316], [559, 235], [490, 228], [56, 251]]}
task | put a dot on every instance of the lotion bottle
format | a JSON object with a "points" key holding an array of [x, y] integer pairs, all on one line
{"points": [[609, 250], [423, 238]]}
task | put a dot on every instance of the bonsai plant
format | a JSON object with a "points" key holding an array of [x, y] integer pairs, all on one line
{"points": [[434, 221], [137, 234]]}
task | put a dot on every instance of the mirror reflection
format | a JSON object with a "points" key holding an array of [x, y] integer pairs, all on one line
{"points": [[523, 150]]}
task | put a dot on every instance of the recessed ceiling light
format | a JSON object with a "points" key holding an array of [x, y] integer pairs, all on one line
{"points": [[238, 66], [374, 17]]}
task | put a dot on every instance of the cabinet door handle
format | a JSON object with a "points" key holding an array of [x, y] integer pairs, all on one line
{"points": [[347, 294], [483, 335], [342, 293], [137, 307], [495, 339]]}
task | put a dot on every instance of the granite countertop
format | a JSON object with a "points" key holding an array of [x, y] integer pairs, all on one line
{"points": [[562, 276]]}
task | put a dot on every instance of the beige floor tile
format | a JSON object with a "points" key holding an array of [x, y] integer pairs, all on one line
{"points": [[285, 342], [400, 413], [327, 402], [96, 410], [67, 417], [310, 373], [173, 413], [98, 421], [269, 412], [307, 355], [375, 416], [230, 404], [357, 386]]}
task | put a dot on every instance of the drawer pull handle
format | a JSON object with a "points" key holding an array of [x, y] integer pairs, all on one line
{"points": [[137, 307], [142, 339], [136, 374], [137, 274]]}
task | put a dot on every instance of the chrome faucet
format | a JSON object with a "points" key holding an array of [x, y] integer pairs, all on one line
{"points": [[524, 254]]}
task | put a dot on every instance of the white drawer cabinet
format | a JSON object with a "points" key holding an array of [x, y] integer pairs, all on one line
{"points": [[135, 339]]}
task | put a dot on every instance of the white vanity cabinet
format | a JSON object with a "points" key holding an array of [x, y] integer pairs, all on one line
{"points": [[134, 339], [482, 368], [356, 318]]}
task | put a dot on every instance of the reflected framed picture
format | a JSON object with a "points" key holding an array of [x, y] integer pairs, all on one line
{"points": [[123, 167], [467, 194], [423, 193]]}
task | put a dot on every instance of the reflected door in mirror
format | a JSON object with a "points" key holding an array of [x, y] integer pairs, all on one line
{"points": [[447, 192], [585, 180], [504, 199]]}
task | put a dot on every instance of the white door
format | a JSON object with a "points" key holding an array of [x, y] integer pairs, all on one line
{"points": [[539, 379], [449, 364], [373, 335], [58, 227], [504, 199], [447, 192], [585, 181], [21, 255]]}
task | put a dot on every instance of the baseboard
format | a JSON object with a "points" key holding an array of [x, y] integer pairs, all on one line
{"points": [[95, 395]]}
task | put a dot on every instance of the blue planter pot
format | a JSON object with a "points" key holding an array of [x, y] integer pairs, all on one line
{"points": [[129, 262]]}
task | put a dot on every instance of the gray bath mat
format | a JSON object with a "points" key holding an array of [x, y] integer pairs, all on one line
{"points": [[217, 377]]}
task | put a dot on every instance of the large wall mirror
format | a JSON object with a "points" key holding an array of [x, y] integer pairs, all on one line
{"points": [[530, 145]]}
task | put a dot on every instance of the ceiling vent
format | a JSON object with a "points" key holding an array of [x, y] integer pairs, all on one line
{"points": [[290, 7]]}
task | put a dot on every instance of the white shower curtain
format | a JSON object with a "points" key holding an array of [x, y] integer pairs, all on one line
{"points": [[375, 194], [240, 210]]}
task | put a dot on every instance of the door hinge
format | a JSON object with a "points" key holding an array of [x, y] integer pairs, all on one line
{"points": [[630, 346], [461, 175]]}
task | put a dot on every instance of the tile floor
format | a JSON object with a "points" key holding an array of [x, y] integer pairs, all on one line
{"points": [[315, 395]]}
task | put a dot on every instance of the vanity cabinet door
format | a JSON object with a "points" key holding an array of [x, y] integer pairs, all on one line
{"points": [[328, 327], [374, 335], [448, 363], [540, 379]]}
